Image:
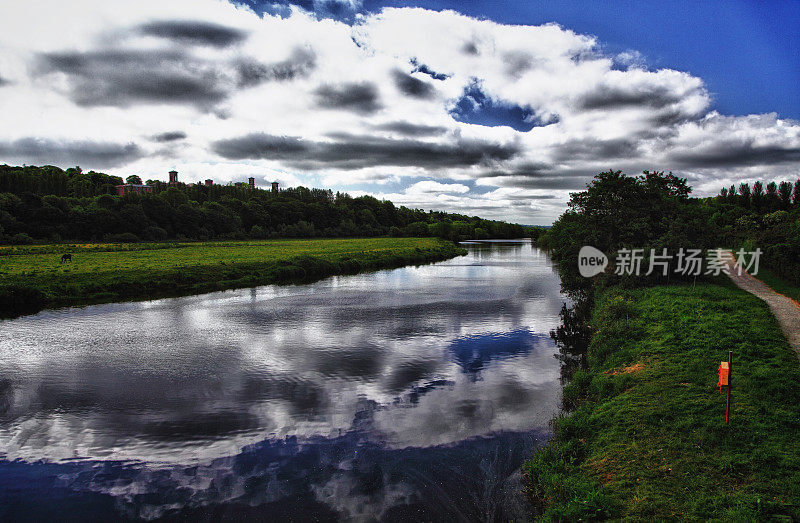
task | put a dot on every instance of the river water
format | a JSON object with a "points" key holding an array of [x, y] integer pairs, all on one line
{"points": [[406, 394]]}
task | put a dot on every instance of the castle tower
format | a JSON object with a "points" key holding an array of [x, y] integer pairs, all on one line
{"points": [[209, 182], [252, 182], [173, 178], [274, 186]]}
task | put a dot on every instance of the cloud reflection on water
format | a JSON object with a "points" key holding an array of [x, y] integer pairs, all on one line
{"points": [[421, 358]]}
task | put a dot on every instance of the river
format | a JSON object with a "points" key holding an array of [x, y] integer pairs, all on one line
{"points": [[407, 394]]}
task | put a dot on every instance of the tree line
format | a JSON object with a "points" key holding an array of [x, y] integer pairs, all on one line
{"points": [[655, 211], [48, 204]]}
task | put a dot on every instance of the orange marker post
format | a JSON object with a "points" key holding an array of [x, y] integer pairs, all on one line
{"points": [[730, 381]]}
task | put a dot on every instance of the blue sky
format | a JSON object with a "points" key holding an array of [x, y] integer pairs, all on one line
{"points": [[496, 109]]}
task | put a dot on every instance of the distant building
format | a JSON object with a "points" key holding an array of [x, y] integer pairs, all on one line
{"points": [[274, 186], [173, 178], [133, 188], [240, 185], [209, 182], [252, 182]]}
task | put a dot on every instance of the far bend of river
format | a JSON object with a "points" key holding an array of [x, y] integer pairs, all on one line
{"points": [[406, 394]]}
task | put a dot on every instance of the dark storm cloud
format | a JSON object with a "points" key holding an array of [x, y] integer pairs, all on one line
{"points": [[613, 98], [411, 86], [41, 151], [411, 129], [356, 151], [595, 150], [124, 78], [729, 154], [170, 136], [193, 32], [299, 64], [539, 175], [3, 81], [359, 97]]}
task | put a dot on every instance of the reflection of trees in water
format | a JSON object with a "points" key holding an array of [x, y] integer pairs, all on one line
{"points": [[573, 335]]}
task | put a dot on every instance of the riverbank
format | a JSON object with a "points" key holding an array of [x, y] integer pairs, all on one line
{"points": [[34, 277], [646, 438]]}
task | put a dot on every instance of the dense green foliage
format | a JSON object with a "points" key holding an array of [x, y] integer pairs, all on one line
{"points": [[34, 277], [654, 211], [651, 211], [647, 440], [51, 205], [768, 219]]}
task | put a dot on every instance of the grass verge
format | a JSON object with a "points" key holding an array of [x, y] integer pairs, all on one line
{"points": [[646, 439], [35, 277], [778, 284]]}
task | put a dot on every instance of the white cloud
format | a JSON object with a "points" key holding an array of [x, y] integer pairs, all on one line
{"points": [[360, 105]]}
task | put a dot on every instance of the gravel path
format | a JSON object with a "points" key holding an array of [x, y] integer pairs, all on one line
{"points": [[784, 308]]}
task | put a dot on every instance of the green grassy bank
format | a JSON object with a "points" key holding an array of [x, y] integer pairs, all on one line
{"points": [[645, 438], [34, 277]]}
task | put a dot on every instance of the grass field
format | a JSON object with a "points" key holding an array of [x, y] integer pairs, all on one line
{"points": [[33, 277], [647, 440]]}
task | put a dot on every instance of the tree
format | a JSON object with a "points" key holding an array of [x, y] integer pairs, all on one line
{"points": [[744, 191], [134, 179], [785, 194], [757, 198], [771, 199], [796, 194]]}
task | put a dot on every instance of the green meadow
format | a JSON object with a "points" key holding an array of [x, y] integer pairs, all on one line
{"points": [[645, 437], [32, 277]]}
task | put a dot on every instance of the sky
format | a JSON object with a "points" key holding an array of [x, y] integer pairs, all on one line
{"points": [[497, 109]]}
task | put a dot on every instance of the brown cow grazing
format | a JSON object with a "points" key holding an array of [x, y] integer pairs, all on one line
{"points": [[66, 257]]}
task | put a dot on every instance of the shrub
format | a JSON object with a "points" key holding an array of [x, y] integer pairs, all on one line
{"points": [[154, 233], [21, 239]]}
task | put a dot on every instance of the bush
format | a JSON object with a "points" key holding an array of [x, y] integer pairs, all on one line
{"points": [[154, 233], [21, 239]]}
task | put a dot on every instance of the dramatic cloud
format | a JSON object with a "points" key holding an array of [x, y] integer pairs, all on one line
{"points": [[324, 93], [605, 97], [124, 78], [358, 151], [300, 63], [45, 151], [194, 32], [410, 129], [169, 136], [736, 153], [412, 86], [356, 97]]}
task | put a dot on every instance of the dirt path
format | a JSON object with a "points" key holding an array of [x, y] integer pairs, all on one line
{"points": [[784, 308]]}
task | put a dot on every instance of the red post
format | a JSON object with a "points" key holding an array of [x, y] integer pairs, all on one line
{"points": [[730, 383]]}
